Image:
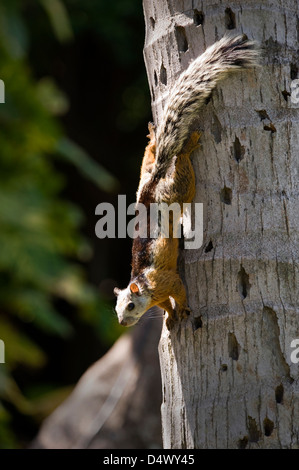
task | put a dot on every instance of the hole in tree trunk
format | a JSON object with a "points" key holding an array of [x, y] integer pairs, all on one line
{"points": [[226, 195], [239, 150], [197, 323], [262, 114], [279, 393], [243, 283], [198, 17], [268, 426], [233, 347], [152, 22], [285, 94], [181, 39], [209, 247], [270, 127], [230, 19]]}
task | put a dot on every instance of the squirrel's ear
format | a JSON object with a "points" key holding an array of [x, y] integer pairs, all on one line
{"points": [[116, 291], [134, 288]]}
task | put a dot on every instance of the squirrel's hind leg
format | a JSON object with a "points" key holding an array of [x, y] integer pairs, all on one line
{"points": [[179, 182]]}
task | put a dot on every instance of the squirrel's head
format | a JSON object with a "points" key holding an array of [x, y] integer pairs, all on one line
{"points": [[131, 304]]}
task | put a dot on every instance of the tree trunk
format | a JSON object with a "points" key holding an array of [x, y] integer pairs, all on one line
{"points": [[228, 379]]}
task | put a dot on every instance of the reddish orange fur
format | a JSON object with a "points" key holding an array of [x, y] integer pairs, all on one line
{"points": [[149, 153], [164, 280]]}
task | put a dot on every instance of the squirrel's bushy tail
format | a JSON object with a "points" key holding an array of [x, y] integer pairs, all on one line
{"points": [[193, 88]]}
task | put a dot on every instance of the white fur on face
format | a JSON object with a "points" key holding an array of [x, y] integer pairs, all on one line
{"points": [[141, 305]]}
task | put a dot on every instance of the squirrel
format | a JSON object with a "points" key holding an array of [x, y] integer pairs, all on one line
{"points": [[167, 176]]}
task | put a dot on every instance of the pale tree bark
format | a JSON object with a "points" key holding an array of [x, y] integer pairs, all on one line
{"points": [[228, 379]]}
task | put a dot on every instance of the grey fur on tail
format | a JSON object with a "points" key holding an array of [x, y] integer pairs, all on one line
{"points": [[193, 88]]}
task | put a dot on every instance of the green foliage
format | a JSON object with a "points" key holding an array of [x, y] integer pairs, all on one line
{"points": [[59, 19], [13, 32], [115, 22], [71, 152], [40, 239]]}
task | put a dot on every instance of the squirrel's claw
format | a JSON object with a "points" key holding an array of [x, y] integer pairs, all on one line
{"points": [[183, 312], [178, 314]]}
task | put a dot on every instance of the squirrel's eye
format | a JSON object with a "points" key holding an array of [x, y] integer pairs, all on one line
{"points": [[131, 306]]}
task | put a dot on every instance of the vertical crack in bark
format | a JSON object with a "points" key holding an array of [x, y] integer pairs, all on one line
{"points": [[243, 283], [286, 217]]}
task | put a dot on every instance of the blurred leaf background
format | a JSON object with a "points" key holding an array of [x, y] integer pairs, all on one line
{"points": [[72, 133]]}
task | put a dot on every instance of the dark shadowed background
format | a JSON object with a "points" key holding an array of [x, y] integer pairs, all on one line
{"points": [[72, 134]]}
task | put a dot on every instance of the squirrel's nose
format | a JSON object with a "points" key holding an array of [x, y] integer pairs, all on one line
{"points": [[123, 323]]}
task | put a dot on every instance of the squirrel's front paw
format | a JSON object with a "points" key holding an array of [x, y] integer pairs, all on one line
{"points": [[183, 312], [180, 313]]}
